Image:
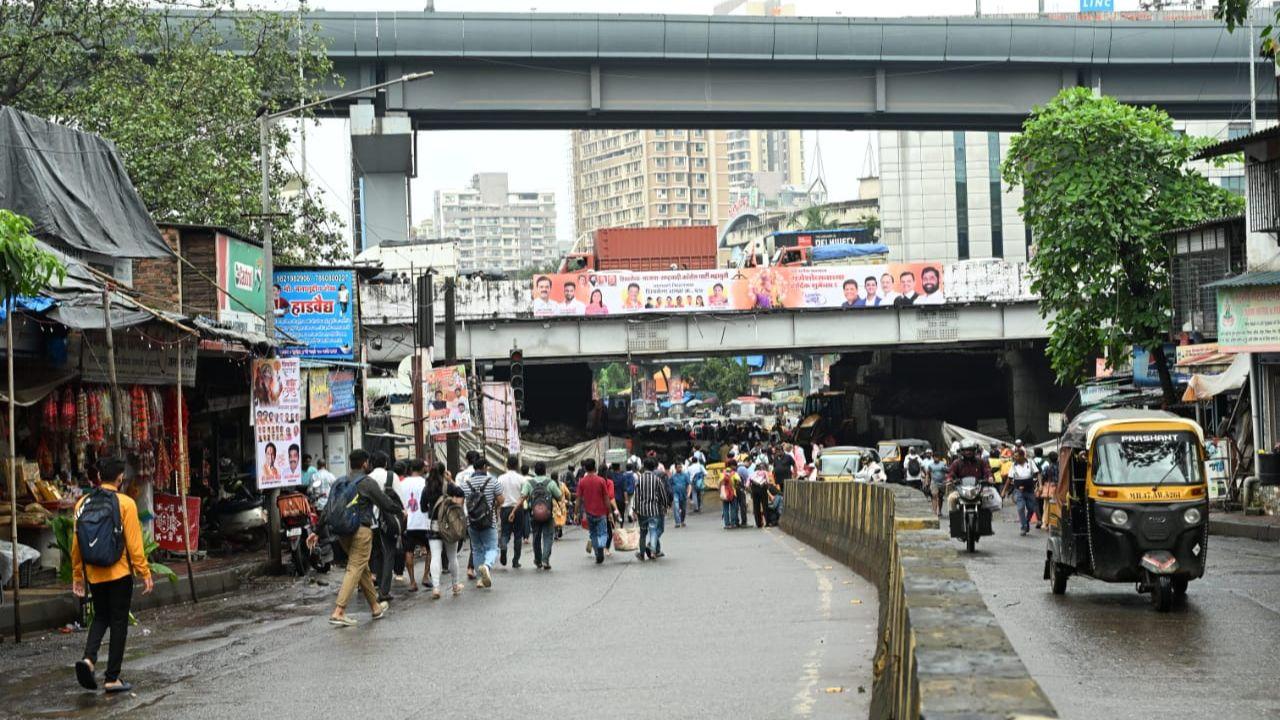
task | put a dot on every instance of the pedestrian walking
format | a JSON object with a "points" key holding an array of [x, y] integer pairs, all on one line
{"points": [[484, 503], [760, 482], [541, 493], [596, 503], [321, 483], [913, 469], [460, 479], [569, 479], [697, 472], [513, 513], [447, 526], [624, 489], [936, 468], [741, 482], [1048, 485], [561, 509], [784, 467], [350, 518], [1021, 481], [680, 491], [728, 508], [417, 521], [652, 500], [388, 544], [107, 552]]}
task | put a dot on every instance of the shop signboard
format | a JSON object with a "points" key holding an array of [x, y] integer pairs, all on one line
{"points": [[449, 401], [1218, 467], [314, 307], [238, 265], [1146, 371], [277, 414], [168, 522], [750, 289], [501, 421], [1249, 319], [330, 393], [138, 361]]}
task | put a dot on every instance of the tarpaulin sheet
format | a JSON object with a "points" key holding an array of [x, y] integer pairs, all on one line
{"points": [[74, 188], [848, 250], [555, 458]]}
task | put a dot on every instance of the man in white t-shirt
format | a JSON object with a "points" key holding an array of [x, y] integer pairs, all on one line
{"points": [[510, 483], [417, 524], [321, 481]]}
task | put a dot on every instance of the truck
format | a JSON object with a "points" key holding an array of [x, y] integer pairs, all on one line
{"points": [[652, 248]]}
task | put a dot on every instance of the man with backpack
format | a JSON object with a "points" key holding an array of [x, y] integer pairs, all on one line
{"points": [[106, 552], [483, 500], [349, 516], [387, 542], [541, 492], [913, 468]]}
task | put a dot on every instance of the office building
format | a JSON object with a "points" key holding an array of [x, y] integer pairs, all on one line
{"points": [[648, 178], [766, 167], [497, 229]]}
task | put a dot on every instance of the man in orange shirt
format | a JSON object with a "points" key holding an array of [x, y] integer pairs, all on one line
{"points": [[110, 583]]}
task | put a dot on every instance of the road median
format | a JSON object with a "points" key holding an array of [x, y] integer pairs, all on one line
{"points": [[941, 653]]}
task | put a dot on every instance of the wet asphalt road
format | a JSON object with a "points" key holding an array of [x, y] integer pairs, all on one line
{"points": [[742, 624], [1101, 651]]}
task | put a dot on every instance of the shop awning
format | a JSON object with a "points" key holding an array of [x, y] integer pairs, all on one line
{"points": [[33, 383], [1249, 279], [1204, 387]]}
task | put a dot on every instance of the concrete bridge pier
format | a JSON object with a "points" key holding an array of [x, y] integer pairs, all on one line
{"points": [[382, 161], [1030, 390]]}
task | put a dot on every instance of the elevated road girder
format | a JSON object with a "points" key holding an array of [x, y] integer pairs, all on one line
{"points": [[605, 338]]}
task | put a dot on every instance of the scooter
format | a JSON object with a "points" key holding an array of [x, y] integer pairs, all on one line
{"points": [[236, 520], [304, 535], [969, 519]]}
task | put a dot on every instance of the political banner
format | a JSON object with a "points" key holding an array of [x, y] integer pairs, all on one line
{"points": [[314, 307], [277, 414], [167, 510], [748, 289], [449, 403]]}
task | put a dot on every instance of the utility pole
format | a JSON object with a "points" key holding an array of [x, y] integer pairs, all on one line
{"points": [[1249, 51], [451, 357], [12, 304]]}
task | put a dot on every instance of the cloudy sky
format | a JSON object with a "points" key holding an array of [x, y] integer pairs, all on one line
{"points": [[540, 160]]}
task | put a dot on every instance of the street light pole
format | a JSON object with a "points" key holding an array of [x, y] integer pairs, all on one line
{"points": [[268, 256]]}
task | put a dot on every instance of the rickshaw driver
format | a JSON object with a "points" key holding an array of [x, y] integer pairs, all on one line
{"points": [[969, 464]]}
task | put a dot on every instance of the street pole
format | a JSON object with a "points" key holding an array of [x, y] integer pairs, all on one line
{"points": [[13, 472], [183, 463], [116, 416], [451, 356], [1249, 51], [274, 553]]}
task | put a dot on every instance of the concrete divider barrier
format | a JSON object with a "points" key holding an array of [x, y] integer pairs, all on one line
{"points": [[941, 652]]}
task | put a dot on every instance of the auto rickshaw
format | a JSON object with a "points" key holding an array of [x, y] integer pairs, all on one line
{"points": [[1131, 504], [893, 454], [841, 463]]}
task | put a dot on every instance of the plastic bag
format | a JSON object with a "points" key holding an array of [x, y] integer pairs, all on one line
{"points": [[991, 500]]}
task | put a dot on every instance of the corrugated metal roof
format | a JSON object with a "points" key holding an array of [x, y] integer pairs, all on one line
{"points": [[1249, 279], [1225, 220], [1237, 144]]}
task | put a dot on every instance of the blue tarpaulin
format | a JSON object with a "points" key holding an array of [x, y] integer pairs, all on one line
{"points": [[847, 250], [32, 304]]}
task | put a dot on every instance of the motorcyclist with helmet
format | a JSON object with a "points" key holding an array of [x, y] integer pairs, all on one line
{"points": [[969, 464]]}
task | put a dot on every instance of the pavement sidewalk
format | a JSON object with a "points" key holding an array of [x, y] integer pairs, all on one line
{"points": [[1255, 527], [45, 608]]}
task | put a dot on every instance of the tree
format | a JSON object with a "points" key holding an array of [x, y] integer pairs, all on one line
{"points": [[1236, 13], [178, 91], [26, 270], [613, 378], [725, 377], [815, 217], [1101, 182]]}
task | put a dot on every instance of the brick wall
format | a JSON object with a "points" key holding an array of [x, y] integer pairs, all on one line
{"points": [[157, 278]]}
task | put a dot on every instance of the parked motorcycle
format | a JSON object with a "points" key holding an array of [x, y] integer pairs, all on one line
{"points": [[304, 534], [235, 518], [970, 518]]}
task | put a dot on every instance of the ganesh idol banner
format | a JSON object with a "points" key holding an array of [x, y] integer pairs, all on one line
{"points": [[731, 289]]}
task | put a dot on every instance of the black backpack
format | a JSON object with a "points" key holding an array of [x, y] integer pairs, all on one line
{"points": [[341, 514], [540, 501], [913, 467], [479, 509], [99, 529]]}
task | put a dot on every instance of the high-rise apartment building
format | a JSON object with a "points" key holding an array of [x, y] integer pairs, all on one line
{"points": [[649, 178], [497, 229], [766, 160], [942, 197]]}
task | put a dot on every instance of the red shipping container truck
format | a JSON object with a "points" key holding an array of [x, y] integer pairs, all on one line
{"points": [[654, 248]]}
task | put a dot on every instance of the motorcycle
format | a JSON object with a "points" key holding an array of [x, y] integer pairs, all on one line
{"points": [[970, 519], [235, 519], [304, 535]]}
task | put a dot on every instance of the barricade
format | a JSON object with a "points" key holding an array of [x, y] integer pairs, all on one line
{"points": [[941, 654]]}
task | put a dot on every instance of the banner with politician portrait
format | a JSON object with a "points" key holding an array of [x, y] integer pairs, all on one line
{"points": [[448, 401], [277, 414], [730, 289]]}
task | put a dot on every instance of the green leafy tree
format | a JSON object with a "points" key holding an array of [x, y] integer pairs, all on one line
{"points": [[26, 269], [613, 378], [177, 90], [816, 217], [1101, 182], [725, 377], [1236, 12]]}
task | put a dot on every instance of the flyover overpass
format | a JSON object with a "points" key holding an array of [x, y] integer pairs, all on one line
{"points": [[990, 303]]}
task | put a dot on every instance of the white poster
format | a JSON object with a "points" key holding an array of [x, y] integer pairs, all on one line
{"points": [[501, 421], [1218, 467], [277, 414]]}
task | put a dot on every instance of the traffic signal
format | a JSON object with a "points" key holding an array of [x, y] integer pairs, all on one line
{"points": [[517, 378]]}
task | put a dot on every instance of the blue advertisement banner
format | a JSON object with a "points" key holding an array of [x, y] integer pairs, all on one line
{"points": [[342, 388], [316, 308]]}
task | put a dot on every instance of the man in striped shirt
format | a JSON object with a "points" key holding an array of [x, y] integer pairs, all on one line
{"points": [[653, 497]]}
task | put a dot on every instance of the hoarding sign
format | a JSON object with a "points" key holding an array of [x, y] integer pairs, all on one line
{"points": [[501, 421], [1218, 467], [330, 393], [168, 522], [315, 308], [277, 414], [1097, 6], [1249, 319], [137, 363], [728, 289], [238, 265], [448, 401]]}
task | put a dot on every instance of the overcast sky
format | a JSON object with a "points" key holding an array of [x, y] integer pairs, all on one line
{"points": [[540, 160]]}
